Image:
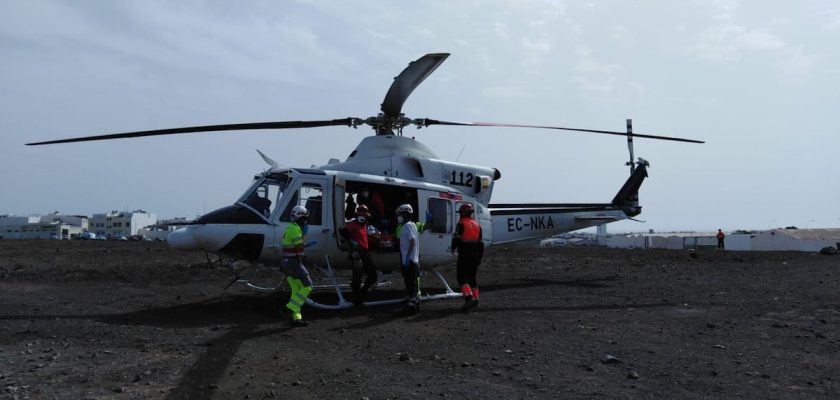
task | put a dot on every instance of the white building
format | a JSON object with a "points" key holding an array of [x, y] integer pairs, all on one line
{"points": [[50, 226], [772, 240], [121, 223]]}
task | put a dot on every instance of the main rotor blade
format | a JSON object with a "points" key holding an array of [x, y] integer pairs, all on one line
{"points": [[408, 80], [207, 128], [493, 124]]}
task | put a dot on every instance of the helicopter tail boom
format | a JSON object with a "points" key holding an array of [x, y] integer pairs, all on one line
{"points": [[515, 222]]}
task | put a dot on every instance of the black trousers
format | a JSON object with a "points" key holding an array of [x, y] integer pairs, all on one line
{"points": [[469, 258], [411, 278], [720, 243], [364, 265]]}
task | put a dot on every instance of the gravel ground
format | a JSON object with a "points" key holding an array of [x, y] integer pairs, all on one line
{"points": [[132, 320]]}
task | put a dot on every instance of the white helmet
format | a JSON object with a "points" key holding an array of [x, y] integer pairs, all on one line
{"points": [[299, 213], [405, 209]]}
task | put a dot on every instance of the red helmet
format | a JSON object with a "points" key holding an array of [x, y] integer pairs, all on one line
{"points": [[465, 208], [363, 210]]}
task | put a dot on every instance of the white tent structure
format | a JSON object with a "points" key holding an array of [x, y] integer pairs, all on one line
{"points": [[795, 239], [772, 240]]}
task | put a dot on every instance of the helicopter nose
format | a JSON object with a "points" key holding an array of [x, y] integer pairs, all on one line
{"points": [[183, 239]]}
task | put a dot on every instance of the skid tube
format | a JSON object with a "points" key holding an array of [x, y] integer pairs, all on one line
{"points": [[334, 282], [343, 304]]}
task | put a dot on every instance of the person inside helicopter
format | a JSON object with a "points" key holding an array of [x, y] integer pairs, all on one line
{"points": [[259, 203], [373, 200]]}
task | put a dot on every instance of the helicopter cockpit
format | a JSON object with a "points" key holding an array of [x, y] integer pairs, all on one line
{"points": [[273, 190], [266, 193]]}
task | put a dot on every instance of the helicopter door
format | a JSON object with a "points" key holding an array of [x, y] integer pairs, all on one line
{"points": [[437, 234], [339, 216]]}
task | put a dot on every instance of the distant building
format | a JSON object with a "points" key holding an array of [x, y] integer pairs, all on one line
{"points": [[771, 240], [50, 226], [121, 223], [163, 228]]}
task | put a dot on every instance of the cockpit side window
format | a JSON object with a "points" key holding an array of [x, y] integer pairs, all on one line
{"points": [[311, 196], [265, 197]]}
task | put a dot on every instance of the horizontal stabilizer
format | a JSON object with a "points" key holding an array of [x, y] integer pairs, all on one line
{"points": [[596, 218]]}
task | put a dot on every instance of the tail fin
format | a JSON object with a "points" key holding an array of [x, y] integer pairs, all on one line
{"points": [[628, 196]]}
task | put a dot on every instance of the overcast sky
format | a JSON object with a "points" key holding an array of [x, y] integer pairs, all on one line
{"points": [[758, 80]]}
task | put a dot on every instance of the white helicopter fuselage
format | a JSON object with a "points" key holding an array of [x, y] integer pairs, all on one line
{"points": [[398, 170]]}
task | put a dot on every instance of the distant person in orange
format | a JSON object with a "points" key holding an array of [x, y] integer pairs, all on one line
{"points": [[720, 237]]}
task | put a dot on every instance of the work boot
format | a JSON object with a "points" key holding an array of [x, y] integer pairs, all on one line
{"points": [[467, 292], [298, 323], [411, 307]]}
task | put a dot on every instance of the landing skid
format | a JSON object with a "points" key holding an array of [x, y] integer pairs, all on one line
{"points": [[327, 281]]}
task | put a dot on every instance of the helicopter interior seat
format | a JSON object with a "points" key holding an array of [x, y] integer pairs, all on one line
{"points": [[313, 205], [260, 204]]}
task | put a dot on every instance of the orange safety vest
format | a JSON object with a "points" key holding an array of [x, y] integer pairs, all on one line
{"points": [[472, 230]]}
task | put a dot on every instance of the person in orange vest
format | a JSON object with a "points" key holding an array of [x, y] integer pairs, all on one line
{"points": [[356, 231], [720, 237], [467, 242]]}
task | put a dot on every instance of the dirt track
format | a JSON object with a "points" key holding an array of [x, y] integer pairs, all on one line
{"points": [[136, 320]]}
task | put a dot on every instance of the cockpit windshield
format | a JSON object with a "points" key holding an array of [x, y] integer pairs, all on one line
{"points": [[266, 195]]}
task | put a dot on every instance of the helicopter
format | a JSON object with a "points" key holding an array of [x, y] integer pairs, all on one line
{"points": [[397, 169]]}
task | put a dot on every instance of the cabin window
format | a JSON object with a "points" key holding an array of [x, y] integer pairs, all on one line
{"points": [[311, 196], [439, 212]]}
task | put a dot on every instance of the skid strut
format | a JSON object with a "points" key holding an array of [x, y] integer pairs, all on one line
{"points": [[330, 281]]}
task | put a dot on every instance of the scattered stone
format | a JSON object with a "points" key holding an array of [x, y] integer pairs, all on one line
{"points": [[719, 346], [296, 383], [466, 364], [118, 389], [609, 359], [404, 357], [632, 375]]}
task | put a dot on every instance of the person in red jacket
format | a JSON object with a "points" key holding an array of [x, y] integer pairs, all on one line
{"points": [[467, 242], [360, 255], [720, 237]]}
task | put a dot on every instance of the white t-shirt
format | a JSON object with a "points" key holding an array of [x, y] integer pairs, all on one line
{"points": [[408, 232]]}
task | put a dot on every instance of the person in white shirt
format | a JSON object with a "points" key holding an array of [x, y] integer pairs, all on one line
{"points": [[409, 257]]}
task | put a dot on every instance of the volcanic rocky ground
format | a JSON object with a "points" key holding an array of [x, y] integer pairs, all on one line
{"points": [[131, 320]]}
